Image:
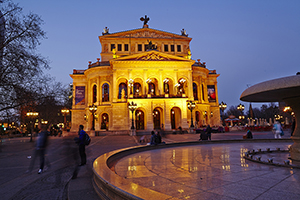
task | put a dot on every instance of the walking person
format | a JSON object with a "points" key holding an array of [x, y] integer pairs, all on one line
{"points": [[40, 149], [81, 143], [277, 130], [208, 132]]}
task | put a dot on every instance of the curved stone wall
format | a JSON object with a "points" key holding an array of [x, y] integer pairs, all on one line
{"points": [[109, 185]]}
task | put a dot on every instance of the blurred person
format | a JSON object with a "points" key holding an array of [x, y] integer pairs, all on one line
{"points": [[81, 142], [153, 139], [277, 130], [208, 132], [158, 137], [40, 149], [248, 135], [203, 136]]}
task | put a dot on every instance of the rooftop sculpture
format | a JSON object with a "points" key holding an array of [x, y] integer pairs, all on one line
{"points": [[145, 20]]}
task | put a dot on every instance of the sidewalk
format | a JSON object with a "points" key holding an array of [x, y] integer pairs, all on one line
{"points": [[56, 182]]}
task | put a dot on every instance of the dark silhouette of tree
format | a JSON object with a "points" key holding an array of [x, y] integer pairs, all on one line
{"points": [[232, 110], [21, 67]]}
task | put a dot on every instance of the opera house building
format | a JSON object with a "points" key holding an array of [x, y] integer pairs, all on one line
{"points": [[144, 79]]}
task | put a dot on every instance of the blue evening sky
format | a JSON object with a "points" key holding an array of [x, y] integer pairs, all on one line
{"points": [[246, 41]]}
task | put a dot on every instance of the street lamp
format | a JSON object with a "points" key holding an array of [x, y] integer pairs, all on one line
{"points": [[241, 108], [222, 106], [93, 109], [130, 84], [65, 111], [32, 115], [191, 107], [132, 107]]}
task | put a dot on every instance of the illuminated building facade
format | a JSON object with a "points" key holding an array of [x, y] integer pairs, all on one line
{"points": [[153, 69]]}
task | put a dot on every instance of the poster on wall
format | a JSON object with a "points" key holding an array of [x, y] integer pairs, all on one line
{"points": [[80, 95], [211, 93]]}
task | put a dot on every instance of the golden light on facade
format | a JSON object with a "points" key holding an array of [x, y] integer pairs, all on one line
{"points": [[149, 79]]}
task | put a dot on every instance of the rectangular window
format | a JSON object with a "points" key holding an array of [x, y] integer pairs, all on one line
{"points": [[166, 47], [112, 46], [178, 48], [126, 47], [146, 47], [119, 47], [140, 47], [172, 48]]}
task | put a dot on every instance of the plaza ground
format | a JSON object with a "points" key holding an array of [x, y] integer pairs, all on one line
{"points": [[56, 182]]}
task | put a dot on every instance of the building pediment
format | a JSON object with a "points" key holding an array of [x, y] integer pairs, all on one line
{"points": [[152, 55], [145, 33]]}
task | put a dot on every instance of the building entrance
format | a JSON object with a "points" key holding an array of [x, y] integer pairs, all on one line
{"points": [[139, 120], [156, 118]]}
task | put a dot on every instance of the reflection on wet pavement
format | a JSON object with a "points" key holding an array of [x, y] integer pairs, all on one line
{"points": [[211, 171]]}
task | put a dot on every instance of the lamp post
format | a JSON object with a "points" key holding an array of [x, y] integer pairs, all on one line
{"points": [[222, 106], [132, 107], [32, 115], [65, 111], [93, 109], [191, 107], [130, 84], [241, 108]]}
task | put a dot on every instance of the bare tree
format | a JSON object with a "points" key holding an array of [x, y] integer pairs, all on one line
{"points": [[21, 67]]}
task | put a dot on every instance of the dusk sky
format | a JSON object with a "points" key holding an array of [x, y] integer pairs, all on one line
{"points": [[245, 41]]}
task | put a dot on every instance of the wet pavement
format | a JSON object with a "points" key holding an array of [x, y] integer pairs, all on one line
{"points": [[211, 171], [56, 182]]}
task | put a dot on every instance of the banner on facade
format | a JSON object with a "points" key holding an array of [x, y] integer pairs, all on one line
{"points": [[80, 95], [211, 93]]}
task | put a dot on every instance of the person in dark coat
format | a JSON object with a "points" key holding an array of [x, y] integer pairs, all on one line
{"points": [[208, 132], [153, 140], [40, 149], [81, 144], [203, 136], [158, 136], [249, 134]]}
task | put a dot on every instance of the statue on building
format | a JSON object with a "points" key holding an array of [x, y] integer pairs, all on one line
{"points": [[145, 20], [123, 94], [151, 46], [183, 32], [106, 31]]}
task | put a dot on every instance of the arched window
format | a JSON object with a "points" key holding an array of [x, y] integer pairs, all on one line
{"points": [[173, 124], [137, 89], [104, 121], [156, 118], [195, 91], [139, 120], [166, 88], [105, 92], [94, 93], [151, 88], [122, 87]]}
